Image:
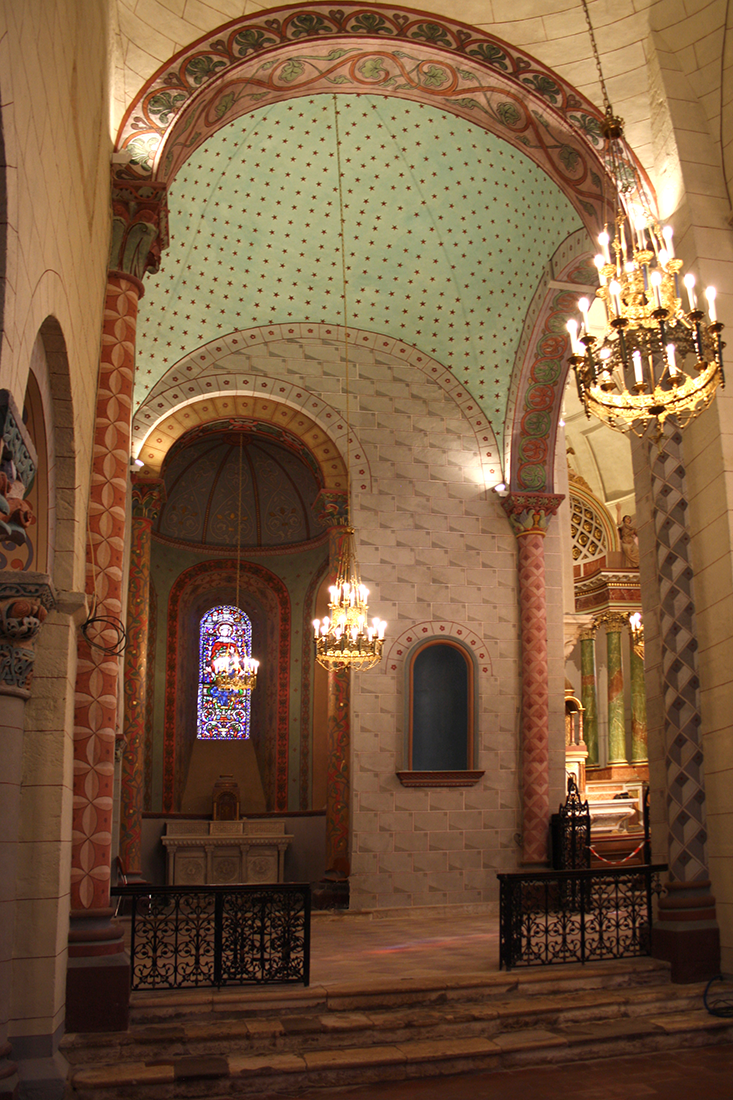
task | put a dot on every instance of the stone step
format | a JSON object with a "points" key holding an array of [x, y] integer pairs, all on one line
{"points": [[168, 1005], [236, 1074], [445, 1020]]}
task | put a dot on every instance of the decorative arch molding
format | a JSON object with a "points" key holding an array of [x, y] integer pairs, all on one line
{"points": [[197, 589], [213, 370], [438, 630], [313, 48], [542, 367]]}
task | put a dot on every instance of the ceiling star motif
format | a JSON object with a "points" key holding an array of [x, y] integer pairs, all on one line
{"points": [[448, 230]]}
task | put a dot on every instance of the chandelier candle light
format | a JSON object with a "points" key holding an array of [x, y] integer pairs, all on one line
{"points": [[652, 358], [344, 638]]}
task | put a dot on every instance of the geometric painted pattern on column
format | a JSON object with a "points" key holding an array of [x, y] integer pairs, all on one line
{"points": [[97, 679], [529, 515], [338, 779], [535, 698], [686, 813]]}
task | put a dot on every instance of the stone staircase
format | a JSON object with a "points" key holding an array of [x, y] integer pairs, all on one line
{"points": [[256, 1042]]}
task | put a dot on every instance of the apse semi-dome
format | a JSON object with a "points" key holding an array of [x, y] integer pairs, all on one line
{"points": [[279, 486]]}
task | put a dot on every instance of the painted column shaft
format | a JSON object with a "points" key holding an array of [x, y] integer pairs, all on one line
{"points": [[146, 503], [97, 680], [535, 698], [338, 840], [588, 696], [616, 721], [639, 747]]}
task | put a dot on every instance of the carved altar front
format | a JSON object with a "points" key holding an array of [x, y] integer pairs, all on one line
{"points": [[220, 853]]}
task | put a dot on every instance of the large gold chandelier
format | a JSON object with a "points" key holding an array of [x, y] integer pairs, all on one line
{"points": [[344, 637], [651, 354]]}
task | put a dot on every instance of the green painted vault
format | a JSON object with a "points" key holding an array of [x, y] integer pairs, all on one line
{"points": [[447, 228]]}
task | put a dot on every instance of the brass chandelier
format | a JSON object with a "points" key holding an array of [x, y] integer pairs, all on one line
{"points": [[344, 638], [649, 357]]}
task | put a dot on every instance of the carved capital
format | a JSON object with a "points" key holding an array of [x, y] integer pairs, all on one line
{"points": [[139, 227], [331, 507], [25, 601], [530, 513], [611, 621], [148, 497], [18, 463]]}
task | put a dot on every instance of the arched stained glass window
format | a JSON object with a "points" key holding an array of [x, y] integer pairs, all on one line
{"points": [[222, 715]]}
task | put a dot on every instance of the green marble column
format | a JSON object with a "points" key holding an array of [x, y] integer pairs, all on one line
{"points": [[616, 723], [639, 748], [588, 694]]}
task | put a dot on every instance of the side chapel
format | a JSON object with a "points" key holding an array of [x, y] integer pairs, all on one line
{"points": [[268, 273]]}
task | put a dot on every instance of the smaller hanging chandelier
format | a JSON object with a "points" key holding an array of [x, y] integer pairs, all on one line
{"points": [[346, 637], [649, 358], [232, 669]]}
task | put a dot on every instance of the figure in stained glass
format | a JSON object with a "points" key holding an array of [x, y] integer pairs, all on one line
{"points": [[222, 714]]}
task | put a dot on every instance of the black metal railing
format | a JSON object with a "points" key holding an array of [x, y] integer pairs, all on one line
{"points": [[182, 937], [576, 916]]}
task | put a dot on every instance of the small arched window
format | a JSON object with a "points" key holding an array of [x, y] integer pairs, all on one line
{"points": [[222, 715], [441, 708]]}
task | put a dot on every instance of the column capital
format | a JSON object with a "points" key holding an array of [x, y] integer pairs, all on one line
{"points": [[331, 507], [139, 227], [530, 513], [611, 620], [25, 601], [148, 497], [588, 634]]}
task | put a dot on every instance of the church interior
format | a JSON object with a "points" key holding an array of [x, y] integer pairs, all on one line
{"points": [[282, 286]]}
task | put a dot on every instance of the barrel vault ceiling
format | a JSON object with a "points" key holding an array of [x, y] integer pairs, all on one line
{"points": [[447, 231]]}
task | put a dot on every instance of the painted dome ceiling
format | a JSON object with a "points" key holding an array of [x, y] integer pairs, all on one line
{"points": [[448, 230], [202, 479]]}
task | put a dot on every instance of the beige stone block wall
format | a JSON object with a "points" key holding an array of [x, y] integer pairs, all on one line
{"points": [[54, 85]]}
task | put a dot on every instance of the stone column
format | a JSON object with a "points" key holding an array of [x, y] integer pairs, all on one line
{"points": [[147, 498], [588, 693], [614, 624], [25, 599], [529, 515], [97, 986], [332, 509], [639, 747], [686, 932]]}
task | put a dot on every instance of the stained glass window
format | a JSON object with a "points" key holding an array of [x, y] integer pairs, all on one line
{"points": [[222, 715]]}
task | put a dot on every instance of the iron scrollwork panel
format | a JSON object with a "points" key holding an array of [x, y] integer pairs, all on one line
{"points": [[264, 937], [183, 938]]}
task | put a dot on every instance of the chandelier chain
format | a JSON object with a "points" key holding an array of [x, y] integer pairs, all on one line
{"points": [[597, 58], [342, 241]]}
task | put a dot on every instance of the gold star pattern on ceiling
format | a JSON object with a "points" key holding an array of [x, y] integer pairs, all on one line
{"points": [[447, 231]]}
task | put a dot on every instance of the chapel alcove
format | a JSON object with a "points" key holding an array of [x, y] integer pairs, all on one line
{"points": [[237, 528]]}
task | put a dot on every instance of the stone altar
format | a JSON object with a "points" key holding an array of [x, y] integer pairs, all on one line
{"points": [[223, 853]]}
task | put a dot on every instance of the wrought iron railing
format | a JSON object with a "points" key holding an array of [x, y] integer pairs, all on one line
{"points": [[217, 935], [576, 916]]}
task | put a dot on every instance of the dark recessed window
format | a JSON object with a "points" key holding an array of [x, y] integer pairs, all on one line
{"points": [[441, 708]]}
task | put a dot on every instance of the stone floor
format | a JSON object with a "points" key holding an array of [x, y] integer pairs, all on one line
{"points": [[369, 948], [703, 1074]]}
